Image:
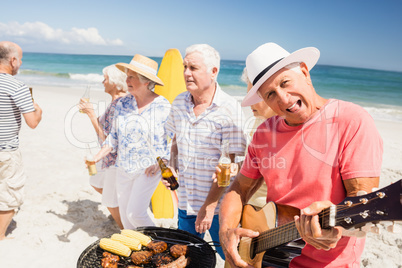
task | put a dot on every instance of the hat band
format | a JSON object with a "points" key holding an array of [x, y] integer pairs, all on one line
{"points": [[258, 77], [143, 66]]}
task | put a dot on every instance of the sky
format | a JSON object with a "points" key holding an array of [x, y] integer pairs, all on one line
{"points": [[354, 33]]}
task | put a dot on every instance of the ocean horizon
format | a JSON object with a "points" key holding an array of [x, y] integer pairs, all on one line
{"points": [[378, 91]]}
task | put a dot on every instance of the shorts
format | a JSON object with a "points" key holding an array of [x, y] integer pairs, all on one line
{"points": [[12, 180], [106, 180]]}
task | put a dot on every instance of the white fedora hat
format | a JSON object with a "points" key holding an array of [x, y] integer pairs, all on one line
{"points": [[269, 58], [142, 65]]}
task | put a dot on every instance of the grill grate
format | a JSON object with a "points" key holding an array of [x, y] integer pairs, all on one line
{"points": [[200, 253]]}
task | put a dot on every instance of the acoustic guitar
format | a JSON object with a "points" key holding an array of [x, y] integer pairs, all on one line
{"points": [[276, 226]]}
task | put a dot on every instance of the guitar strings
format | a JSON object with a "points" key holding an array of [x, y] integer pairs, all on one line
{"points": [[275, 236]]}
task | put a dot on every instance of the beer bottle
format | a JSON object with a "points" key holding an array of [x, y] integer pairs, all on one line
{"points": [[224, 165], [89, 160], [167, 174], [86, 95]]}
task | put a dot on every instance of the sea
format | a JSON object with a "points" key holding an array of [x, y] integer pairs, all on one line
{"points": [[378, 91]]}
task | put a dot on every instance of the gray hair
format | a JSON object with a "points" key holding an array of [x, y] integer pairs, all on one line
{"points": [[244, 76], [143, 79], [7, 51], [209, 54], [116, 77]]}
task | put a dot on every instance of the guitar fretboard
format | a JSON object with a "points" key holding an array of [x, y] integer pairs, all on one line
{"points": [[282, 234], [275, 237]]}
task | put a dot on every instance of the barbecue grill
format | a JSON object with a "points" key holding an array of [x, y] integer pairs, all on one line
{"points": [[200, 253]]}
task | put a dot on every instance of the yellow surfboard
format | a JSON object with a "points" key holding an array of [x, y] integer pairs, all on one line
{"points": [[164, 202], [171, 73]]}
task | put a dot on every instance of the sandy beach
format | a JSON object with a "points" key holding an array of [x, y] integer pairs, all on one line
{"points": [[62, 213]]}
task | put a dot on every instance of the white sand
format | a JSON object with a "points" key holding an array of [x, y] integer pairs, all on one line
{"points": [[62, 213]]}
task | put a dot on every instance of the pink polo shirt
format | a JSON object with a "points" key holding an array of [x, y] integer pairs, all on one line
{"points": [[308, 163]]}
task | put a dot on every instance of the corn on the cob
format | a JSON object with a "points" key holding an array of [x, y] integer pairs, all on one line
{"points": [[137, 235], [132, 243], [115, 247]]}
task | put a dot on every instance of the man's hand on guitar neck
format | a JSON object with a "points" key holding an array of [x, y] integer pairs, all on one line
{"points": [[229, 241], [308, 225], [310, 230]]}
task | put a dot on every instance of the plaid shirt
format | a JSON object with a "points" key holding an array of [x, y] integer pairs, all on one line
{"points": [[199, 142]]}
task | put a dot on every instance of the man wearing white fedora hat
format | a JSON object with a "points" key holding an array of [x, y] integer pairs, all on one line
{"points": [[201, 119], [314, 153]]}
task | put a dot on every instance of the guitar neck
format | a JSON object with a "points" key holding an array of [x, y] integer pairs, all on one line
{"points": [[285, 233], [353, 212], [275, 237]]}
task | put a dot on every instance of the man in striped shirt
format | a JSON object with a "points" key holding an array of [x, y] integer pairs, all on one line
{"points": [[15, 100], [200, 120]]}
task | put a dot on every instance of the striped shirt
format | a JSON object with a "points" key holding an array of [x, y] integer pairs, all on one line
{"points": [[14, 100], [199, 141]]}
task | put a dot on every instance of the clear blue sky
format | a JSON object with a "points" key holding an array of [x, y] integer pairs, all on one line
{"points": [[357, 33]]}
